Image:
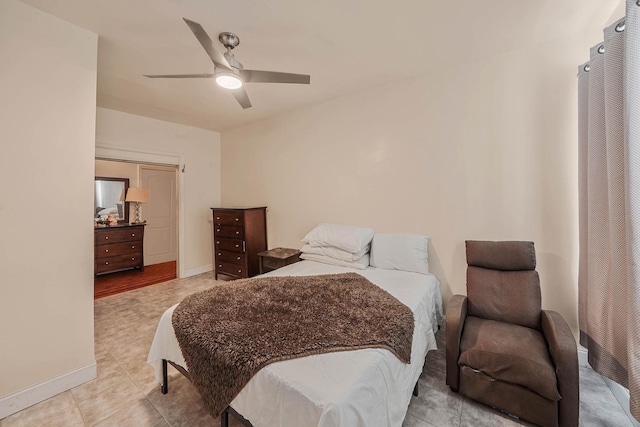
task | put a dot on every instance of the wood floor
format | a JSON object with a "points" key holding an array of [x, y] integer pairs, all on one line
{"points": [[122, 281]]}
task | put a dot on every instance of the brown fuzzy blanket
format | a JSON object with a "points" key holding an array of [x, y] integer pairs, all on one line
{"points": [[229, 332]]}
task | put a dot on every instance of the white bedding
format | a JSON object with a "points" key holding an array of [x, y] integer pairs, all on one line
{"points": [[368, 387]]}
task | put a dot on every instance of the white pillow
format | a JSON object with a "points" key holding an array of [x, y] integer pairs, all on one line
{"points": [[360, 264], [346, 237], [109, 211], [407, 252], [334, 252]]}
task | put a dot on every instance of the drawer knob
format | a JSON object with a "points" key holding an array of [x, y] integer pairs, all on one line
{"points": [[237, 232], [219, 253], [217, 217], [239, 271], [238, 258], [220, 266], [237, 246], [217, 243], [106, 237], [133, 234], [237, 219], [133, 246], [106, 263], [106, 250], [133, 259], [218, 230]]}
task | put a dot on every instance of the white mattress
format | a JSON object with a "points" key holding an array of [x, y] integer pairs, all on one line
{"points": [[368, 387]]}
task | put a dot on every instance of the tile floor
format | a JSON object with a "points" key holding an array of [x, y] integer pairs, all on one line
{"points": [[127, 394]]}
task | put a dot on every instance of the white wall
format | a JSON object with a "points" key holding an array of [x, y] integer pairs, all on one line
{"points": [[487, 151], [111, 169], [47, 128], [199, 189]]}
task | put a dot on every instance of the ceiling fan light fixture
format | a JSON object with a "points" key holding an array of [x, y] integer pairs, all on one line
{"points": [[228, 80]]}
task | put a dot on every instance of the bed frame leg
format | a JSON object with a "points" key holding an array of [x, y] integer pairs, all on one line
{"points": [[415, 390], [164, 388], [224, 418]]}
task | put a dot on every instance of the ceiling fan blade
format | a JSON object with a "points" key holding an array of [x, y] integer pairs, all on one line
{"points": [[218, 59], [179, 76], [241, 96], [257, 76]]}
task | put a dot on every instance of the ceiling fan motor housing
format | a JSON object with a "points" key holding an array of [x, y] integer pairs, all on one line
{"points": [[233, 62]]}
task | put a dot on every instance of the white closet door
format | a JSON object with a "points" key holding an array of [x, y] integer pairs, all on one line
{"points": [[160, 213]]}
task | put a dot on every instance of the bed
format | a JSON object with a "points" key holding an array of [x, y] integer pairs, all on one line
{"points": [[367, 387]]}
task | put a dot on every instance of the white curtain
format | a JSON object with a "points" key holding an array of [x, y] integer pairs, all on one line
{"points": [[609, 197]]}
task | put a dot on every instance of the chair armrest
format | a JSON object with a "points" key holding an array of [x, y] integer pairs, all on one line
{"points": [[456, 315], [564, 352]]}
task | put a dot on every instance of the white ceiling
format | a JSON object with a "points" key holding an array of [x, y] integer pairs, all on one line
{"points": [[345, 45]]}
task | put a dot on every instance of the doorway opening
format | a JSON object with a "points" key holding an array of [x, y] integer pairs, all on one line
{"points": [[161, 231]]}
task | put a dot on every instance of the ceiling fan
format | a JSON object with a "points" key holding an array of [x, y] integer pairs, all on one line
{"points": [[228, 71]]}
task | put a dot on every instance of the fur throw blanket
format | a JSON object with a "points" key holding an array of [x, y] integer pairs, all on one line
{"points": [[229, 332]]}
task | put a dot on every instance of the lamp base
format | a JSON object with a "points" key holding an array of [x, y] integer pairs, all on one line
{"points": [[138, 216]]}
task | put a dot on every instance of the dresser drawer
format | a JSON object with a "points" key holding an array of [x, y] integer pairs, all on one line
{"points": [[117, 236], [229, 231], [112, 249], [118, 262], [231, 269], [233, 245], [233, 257], [228, 217]]}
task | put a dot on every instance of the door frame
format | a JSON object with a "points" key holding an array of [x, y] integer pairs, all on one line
{"points": [[153, 157]]}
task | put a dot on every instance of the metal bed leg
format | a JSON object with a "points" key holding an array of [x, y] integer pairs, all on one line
{"points": [[165, 378], [232, 412], [415, 390], [224, 418]]}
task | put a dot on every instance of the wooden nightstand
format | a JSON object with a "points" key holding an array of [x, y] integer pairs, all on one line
{"points": [[275, 258]]}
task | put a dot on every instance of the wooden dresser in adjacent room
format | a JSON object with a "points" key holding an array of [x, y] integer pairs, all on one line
{"points": [[118, 247], [238, 235]]}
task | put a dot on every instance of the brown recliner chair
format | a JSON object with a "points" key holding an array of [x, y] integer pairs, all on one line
{"points": [[501, 348]]}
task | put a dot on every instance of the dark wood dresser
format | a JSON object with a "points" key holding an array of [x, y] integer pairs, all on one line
{"points": [[118, 247], [238, 235]]}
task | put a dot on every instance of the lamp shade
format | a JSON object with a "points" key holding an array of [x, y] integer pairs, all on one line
{"points": [[139, 195]]}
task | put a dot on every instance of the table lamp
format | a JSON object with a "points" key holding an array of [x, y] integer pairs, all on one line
{"points": [[137, 195]]}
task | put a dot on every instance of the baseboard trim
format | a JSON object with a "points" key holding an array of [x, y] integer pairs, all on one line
{"points": [[622, 396], [42, 391], [583, 357], [619, 392], [198, 270]]}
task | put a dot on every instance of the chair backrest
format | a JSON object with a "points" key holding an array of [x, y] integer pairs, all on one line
{"points": [[502, 283]]}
